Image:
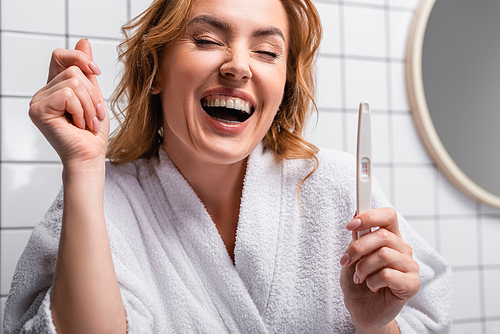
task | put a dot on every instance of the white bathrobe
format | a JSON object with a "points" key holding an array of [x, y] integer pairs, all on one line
{"points": [[176, 276]]}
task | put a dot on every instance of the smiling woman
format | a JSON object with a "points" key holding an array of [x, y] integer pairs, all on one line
{"points": [[194, 224]]}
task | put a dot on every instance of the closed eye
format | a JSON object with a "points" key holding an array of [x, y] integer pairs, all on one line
{"points": [[203, 41], [268, 53]]}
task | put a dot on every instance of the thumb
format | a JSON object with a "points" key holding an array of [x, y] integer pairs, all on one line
{"points": [[84, 46]]}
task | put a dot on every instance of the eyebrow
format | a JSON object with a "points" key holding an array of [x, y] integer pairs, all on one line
{"points": [[271, 31]]}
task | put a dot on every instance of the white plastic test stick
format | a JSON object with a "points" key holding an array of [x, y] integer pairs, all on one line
{"points": [[364, 161]]}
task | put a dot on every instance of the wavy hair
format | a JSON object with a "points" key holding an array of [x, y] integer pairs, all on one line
{"points": [[139, 113]]}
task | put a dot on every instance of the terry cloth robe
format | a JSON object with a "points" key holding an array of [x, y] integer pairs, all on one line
{"points": [[176, 276]]}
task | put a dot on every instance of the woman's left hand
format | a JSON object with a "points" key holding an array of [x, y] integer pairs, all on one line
{"points": [[379, 274]]}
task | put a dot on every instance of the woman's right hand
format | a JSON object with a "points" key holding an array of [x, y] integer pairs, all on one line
{"points": [[70, 111]]}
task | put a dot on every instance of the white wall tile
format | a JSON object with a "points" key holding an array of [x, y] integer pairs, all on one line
{"points": [[138, 6], [25, 62], [28, 190], [96, 18], [21, 140], [328, 82], [460, 247], [47, 16], [366, 81], [400, 26], [410, 4], [426, 229], [113, 122], [491, 244], [472, 328], [326, 131], [484, 208], [12, 246], [382, 175], [466, 302], [414, 191], [451, 201], [361, 40], [493, 327], [399, 97], [351, 131], [368, 2], [329, 14], [380, 138], [407, 145], [492, 297], [106, 57]]}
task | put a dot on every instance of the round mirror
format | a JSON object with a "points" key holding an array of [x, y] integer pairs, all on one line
{"points": [[453, 83]]}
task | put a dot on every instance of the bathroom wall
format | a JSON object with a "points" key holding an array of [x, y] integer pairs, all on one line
{"points": [[362, 58]]}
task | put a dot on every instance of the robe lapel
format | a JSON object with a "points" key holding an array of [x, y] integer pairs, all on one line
{"points": [[207, 252], [259, 226]]}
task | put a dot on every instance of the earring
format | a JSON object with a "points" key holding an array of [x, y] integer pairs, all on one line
{"points": [[152, 88]]}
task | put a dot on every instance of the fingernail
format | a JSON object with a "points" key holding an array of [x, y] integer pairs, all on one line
{"points": [[97, 126], [356, 279], [346, 258], [93, 66], [101, 113], [353, 224]]}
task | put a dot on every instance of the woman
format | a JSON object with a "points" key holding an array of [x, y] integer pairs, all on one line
{"points": [[195, 226]]}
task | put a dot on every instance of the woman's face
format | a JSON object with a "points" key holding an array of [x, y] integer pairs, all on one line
{"points": [[222, 81]]}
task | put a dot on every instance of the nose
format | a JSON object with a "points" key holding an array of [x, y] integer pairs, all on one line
{"points": [[236, 66]]}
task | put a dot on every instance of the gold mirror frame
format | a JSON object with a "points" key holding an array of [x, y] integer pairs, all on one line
{"points": [[420, 111]]}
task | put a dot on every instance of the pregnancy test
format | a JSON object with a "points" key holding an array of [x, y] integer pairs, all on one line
{"points": [[364, 161]]}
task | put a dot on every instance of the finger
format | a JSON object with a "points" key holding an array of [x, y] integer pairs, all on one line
{"points": [[386, 218], [71, 74], [63, 59], [84, 90], [84, 46], [384, 257], [84, 97], [371, 242], [56, 106], [402, 285]]}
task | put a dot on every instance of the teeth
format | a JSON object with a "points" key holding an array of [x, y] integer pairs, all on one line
{"points": [[231, 103]]}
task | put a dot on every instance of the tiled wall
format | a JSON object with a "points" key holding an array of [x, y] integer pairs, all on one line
{"points": [[362, 58]]}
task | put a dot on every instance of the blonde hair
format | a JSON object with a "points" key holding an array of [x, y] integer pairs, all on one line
{"points": [[140, 113]]}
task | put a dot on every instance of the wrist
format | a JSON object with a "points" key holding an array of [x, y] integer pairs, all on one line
{"points": [[84, 177], [390, 328]]}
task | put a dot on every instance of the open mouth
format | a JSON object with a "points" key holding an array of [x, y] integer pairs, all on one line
{"points": [[228, 110]]}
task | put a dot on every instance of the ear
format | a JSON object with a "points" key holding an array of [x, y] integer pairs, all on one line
{"points": [[155, 86]]}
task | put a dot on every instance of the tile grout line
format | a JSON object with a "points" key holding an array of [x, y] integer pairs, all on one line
{"points": [[65, 34], [343, 97], [390, 132], [481, 273], [129, 10], [66, 23], [1, 118], [437, 210]]}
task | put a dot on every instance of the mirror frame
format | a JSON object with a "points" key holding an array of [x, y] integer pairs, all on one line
{"points": [[420, 110]]}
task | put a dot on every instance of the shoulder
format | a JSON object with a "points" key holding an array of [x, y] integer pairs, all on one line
{"points": [[337, 162]]}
